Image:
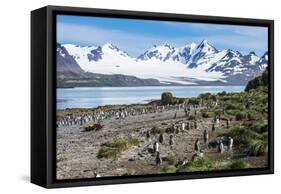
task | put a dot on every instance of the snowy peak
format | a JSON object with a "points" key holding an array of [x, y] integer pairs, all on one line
{"points": [[190, 53], [184, 53], [232, 55], [206, 47], [228, 61], [252, 53], [77, 51], [263, 61], [202, 55], [161, 52], [110, 46], [114, 50], [167, 52], [251, 58], [93, 53]]}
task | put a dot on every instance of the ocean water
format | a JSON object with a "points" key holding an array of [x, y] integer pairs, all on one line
{"points": [[91, 97]]}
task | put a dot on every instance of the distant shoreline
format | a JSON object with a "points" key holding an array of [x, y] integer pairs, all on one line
{"points": [[63, 102], [146, 86]]}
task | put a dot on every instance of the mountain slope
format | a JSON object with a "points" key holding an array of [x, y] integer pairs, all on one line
{"points": [[66, 64], [98, 80], [70, 74]]}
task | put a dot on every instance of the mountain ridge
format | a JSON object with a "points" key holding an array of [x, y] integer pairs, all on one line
{"points": [[168, 64]]}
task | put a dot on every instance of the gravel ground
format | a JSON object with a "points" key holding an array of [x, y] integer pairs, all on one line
{"points": [[77, 150]]}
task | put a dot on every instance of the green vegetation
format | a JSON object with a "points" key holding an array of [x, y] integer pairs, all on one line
{"points": [[206, 114], [258, 148], [252, 138], [169, 169], [206, 164], [194, 100], [207, 97], [247, 113], [171, 160], [240, 115], [114, 148], [158, 130], [238, 164], [243, 135], [167, 98], [201, 164], [259, 126]]}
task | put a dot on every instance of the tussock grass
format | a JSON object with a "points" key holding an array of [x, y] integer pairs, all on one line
{"points": [[242, 135], [158, 130], [259, 127], [240, 115], [171, 160], [238, 164], [206, 164], [206, 114], [201, 164], [258, 148], [113, 149], [169, 169]]}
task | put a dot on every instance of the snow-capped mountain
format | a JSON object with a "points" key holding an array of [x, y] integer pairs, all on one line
{"points": [[202, 55], [189, 64]]}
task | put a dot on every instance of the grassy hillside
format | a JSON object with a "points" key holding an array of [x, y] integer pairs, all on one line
{"points": [[259, 81]]}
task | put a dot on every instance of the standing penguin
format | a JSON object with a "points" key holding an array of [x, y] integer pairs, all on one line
{"points": [[156, 147], [206, 137], [230, 143], [183, 126], [158, 159], [221, 146], [147, 134], [171, 140], [161, 138], [213, 127], [177, 130], [197, 145], [185, 111], [96, 175], [188, 125]]}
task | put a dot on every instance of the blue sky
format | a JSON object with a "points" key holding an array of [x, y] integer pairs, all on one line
{"points": [[136, 36]]}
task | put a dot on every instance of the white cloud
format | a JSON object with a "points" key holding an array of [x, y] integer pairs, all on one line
{"points": [[244, 39]]}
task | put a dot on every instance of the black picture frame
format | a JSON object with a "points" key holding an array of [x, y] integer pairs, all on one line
{"points": [[43, 95]]}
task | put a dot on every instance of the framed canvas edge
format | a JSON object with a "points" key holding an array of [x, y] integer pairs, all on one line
{"points": [[51, 181]]}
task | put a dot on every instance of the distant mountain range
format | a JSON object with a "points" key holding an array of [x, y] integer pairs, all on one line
{"points": [[193, 64]]}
